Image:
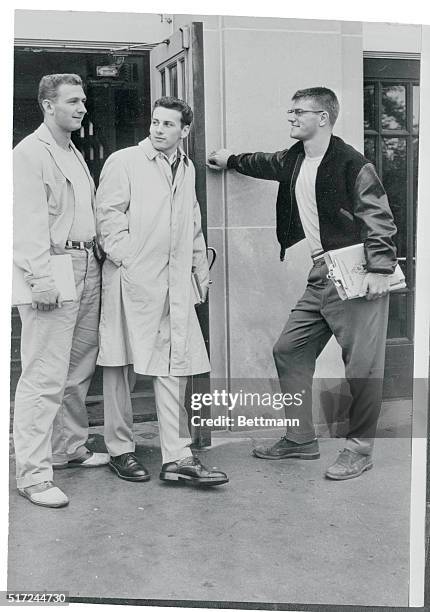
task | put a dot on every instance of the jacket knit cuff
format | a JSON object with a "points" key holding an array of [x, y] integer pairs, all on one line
{"points": [[232, 162]]}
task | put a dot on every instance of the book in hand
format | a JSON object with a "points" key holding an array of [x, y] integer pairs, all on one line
{"points": [[347, 268], [62, 272], [199, 297]]}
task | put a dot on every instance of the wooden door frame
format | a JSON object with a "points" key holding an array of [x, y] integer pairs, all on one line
{"points": [[189, 38], [201, 435], [392, 68]]}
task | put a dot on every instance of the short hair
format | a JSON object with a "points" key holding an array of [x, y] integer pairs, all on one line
{"points": [[49, 84], [324, 97], [176, 104]]}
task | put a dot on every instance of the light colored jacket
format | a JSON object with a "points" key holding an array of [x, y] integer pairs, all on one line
{"points": [[151, 232], [44, 205]]}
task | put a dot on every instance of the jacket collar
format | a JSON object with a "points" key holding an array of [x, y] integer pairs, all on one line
{"points": [[299, 148], [152, 153], [44, 134]]}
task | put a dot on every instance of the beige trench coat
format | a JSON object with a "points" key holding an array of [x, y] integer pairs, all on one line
{"points": [[44, 205], [151, 232]]}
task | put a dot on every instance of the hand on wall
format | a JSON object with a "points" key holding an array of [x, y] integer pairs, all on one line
{"points": [[217, 160]]}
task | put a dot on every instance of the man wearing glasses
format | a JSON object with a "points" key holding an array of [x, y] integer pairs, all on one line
{"points": [[331, 195]]}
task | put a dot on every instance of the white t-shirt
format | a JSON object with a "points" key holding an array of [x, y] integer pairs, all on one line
{"points": [[307, 202]]}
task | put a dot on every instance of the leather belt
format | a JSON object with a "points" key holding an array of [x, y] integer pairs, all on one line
{"points": [[81, 245], [317, 257]]}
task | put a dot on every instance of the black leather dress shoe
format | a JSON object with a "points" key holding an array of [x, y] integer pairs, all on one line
{"points": [[127, 466], [191, 470]]}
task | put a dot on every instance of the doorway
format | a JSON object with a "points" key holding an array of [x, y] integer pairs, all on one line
{"points": [[118, 116], [120, 87], [391, 140], [119, 107]]}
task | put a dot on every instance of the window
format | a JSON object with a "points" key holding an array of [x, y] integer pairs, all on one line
{"points": [[391, 136]]}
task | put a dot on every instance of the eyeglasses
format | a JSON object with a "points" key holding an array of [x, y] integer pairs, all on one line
{"points": [[298, 112]]}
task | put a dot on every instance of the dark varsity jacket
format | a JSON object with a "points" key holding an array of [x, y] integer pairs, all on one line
{"points": [[351, 201]]}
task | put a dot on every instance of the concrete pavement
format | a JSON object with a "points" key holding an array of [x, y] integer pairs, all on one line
{"points": [[278, 532]]}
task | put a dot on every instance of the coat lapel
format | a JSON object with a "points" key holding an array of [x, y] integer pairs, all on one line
{"points": [[152, 154], [44, 134]]}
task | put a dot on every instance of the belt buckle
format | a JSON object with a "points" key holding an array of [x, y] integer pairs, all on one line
{"points": [[79, 245], [318, 257]]}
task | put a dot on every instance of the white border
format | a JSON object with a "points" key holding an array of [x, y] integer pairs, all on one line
{"points": [[421, 344], [366, 10]]}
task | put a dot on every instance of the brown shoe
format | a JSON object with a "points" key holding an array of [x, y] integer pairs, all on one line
{"points": [[287, 449], [349, 465], [191, 470]]}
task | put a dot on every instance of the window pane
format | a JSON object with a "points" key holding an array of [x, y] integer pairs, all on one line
{"points": [[415, 108], [369, 106], [394, 168], [163, 82], [370, 149], [394, 107], [174, 80], [415, 148]]}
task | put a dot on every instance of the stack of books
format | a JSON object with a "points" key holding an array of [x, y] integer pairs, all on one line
{"points": [[347, 268]]}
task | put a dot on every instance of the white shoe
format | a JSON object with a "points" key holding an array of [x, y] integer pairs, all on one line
{"points": [[349, 465], [92, 460], [45, 494], [89, 460]]}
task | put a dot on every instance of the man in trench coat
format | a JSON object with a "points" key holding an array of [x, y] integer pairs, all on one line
{"points": [[148, 222]]}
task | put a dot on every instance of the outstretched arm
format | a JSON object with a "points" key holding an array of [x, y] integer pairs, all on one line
{"points": [[258, 165]]}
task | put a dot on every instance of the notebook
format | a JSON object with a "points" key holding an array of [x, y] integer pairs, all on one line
{"points": [[198, 292], [62, 271], [347, 267]]}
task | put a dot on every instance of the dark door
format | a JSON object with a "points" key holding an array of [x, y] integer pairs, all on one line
{"points": [[118, 106], [391, 136], [118, 116], [118, 87]]}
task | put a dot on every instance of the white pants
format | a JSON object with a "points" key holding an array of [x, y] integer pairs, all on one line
{"points": [[172, 416], [58, 354]]}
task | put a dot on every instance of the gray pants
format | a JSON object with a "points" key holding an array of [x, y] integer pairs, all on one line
{"points": [[58, 354], [360, 327], [172, 416]]}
